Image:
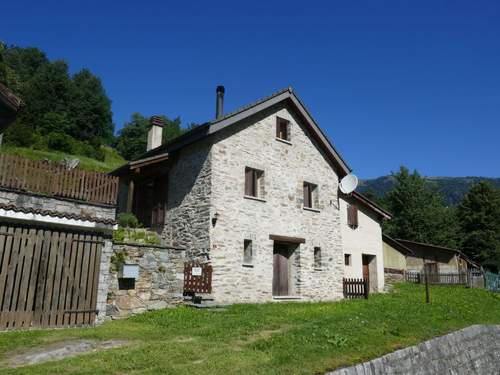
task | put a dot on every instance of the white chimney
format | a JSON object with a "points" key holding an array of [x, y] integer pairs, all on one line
{"points": [[155, 132]]}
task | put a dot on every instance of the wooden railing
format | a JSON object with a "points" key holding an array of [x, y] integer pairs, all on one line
{"points": [[356, 288], [55, 180]]}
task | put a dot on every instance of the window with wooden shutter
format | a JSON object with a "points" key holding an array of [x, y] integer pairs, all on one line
{"points": [[352, 216], [310, 198], [282, 129], [253, 182]]}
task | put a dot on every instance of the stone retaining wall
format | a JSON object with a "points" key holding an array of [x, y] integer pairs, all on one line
{"points": [[472, 350], [65, 206], [160, 282]]}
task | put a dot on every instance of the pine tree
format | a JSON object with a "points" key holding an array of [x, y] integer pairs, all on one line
{"points": [[479, 220], [419, 213]]}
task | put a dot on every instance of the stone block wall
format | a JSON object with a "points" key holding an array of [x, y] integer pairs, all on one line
{"points": [[278, 211], [67, 206], [472, 350], [188, 209], [160, 282]]}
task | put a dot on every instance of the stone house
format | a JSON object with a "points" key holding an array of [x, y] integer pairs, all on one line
{"points": [[255, 194]]}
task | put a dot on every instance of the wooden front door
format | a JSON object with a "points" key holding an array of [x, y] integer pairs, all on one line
{"points": [[281, 267], [366, 267]]}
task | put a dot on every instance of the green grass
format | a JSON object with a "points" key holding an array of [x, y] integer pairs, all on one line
{"points": [[299, 338], [111, 161]]}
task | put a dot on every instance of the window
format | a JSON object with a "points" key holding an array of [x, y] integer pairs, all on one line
{"points": [[310, 195], [253, 182], [282, 129], [352, 216], [347, 259], [317, 257], [247, 252]]}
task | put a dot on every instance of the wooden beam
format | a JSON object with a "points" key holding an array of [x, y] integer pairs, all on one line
{"points": [[130, 196], [286, 239]]}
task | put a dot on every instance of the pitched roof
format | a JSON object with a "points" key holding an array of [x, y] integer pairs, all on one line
{"points": [[430, 247], [369, 204], [397, 245], [209, 128]]}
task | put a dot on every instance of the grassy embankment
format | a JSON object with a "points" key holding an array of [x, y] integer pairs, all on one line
{"points": [[271, 338]]}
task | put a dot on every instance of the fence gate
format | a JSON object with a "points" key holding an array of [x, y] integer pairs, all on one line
{"points": [[197, 278], [48, 277]]}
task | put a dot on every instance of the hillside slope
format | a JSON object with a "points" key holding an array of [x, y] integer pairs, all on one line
{"points": [[452, 188]]}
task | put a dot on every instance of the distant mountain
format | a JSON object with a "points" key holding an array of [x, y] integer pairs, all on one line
{"points": [[452, 188]]}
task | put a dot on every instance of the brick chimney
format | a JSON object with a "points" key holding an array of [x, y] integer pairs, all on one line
{"points": [[155, 132]]}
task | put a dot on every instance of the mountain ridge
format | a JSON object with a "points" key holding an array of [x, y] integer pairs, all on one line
{"points": [[452, 188]]}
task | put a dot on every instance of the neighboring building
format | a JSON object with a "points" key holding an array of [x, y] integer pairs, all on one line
{"points": [[436, 258], [55, 244], [395, 255], [402, 256], [362, 239], [255, 193]]}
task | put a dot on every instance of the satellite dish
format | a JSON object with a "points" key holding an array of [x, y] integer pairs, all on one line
{"points": [[348, 184]]}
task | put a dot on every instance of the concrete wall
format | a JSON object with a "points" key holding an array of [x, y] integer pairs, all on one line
{"points": [[365, 239], [393, 258], [160, 282], [279, 211], [473, 350]]}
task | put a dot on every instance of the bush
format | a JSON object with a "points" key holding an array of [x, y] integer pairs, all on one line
{"points": [[60, 142], [127, 220]]}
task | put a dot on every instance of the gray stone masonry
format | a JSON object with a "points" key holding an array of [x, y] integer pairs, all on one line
{"points": [[160, 282], [67, 206], [472, 350]]}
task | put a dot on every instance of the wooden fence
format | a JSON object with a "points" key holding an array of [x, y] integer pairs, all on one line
{"points": [[356, 288], [55, 180], [438, 278], [492, 281], [48, 278]]}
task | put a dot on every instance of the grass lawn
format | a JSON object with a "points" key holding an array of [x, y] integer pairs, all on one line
{"points": [[112, 159], [277, 338]]}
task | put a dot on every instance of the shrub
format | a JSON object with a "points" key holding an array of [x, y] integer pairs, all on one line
{"points": [[127, 220]]}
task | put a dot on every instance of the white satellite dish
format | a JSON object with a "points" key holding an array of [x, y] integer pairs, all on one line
{"points": [[348, 184]]}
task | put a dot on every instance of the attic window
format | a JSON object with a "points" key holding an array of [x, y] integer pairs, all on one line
{"points": [[282, 129]]}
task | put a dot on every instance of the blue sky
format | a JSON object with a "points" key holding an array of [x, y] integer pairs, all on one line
{"points": [[391, 82]]}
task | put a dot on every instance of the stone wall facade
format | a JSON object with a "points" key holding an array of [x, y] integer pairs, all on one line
{"points": [[473, 350], [61, 205], [278, 211], [188, 208], [160, 282]]}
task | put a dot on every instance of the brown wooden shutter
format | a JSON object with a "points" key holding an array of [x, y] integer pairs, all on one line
{"points": [[278, 127], [248, 181], [307, 195], [352, 216]]}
